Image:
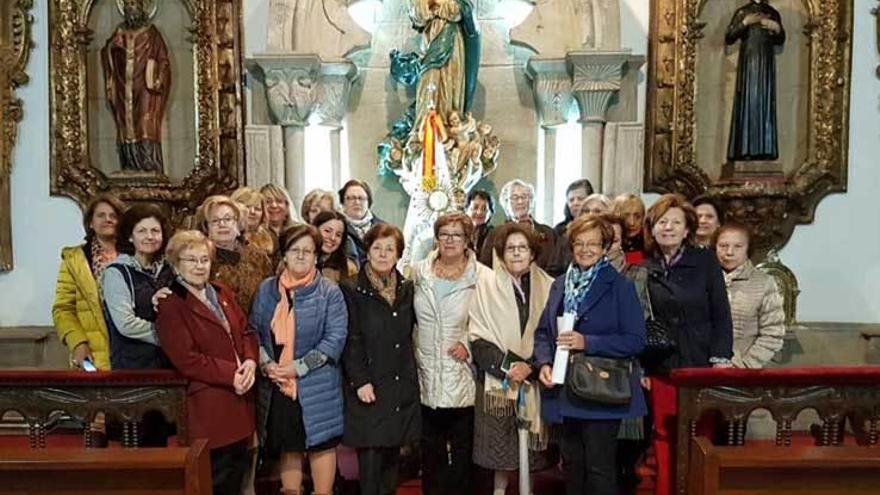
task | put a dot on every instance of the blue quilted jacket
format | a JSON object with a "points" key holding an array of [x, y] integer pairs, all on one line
{"points": [[322, 324]]}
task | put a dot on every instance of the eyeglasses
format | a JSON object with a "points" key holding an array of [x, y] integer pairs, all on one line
{"points": [[359, 199], [520, 197], [592, 246], [220, 221], [196, 261], [523, 248], [450, 236], [301, 253]]}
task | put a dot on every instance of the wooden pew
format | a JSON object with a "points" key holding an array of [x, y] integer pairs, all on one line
{"points": [[80, 471], [835, 393], [769, 470], [123, 395]]}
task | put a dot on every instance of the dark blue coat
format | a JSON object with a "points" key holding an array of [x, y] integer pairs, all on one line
{"points": [[612, 321], [322, 324]]}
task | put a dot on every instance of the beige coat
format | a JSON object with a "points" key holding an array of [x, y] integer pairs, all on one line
{"points": [[758, 316], [442, 322]]}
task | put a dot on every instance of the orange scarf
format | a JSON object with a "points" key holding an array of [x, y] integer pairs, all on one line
{"points": [[284, 322]]}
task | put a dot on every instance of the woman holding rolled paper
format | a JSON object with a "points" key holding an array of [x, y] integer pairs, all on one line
{"points": [[592, 315]]}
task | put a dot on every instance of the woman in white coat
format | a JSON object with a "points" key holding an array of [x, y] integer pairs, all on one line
{"points": [[444, 288]]}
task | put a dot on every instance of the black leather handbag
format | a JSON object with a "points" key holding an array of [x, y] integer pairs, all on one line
{"points": [[658, 338], [600, 379]]}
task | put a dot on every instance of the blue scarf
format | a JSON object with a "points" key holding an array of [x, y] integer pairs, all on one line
{"points": [[578, 283]]}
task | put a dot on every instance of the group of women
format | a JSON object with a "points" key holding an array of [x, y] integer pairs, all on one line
{"points": [[305, 334]]}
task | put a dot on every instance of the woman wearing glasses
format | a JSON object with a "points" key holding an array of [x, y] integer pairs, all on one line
{"points": [[444, 290], [206, 337], [302, 321], [357, 199], [238, 265], [608, 322], [517, 198], [503, 317]]}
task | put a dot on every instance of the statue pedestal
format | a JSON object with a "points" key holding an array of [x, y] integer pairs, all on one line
{"points": [[749, 171]]}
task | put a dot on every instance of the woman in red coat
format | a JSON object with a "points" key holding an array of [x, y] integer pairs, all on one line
{"points": [[205, 335]]}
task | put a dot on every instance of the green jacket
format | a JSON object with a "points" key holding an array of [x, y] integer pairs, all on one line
{"points": [[77, 311]]}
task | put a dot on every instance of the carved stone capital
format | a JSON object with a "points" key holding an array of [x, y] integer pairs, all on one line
{"points": [[334, 90], [596, 77], [551, 85], [291, 86]]}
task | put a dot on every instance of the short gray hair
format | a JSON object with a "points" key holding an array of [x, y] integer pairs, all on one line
{"points": [[504, 197]]}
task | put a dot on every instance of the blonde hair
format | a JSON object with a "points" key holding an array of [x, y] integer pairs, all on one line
{"points": [[315, 196], [186, 239], [247, 196], [208, 205], [627, 200], [271, 191], [606, 202]]}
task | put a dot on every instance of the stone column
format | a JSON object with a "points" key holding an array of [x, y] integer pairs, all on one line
{"points": [[335, 90], [551, 86], [292, 91], [596, 79]]}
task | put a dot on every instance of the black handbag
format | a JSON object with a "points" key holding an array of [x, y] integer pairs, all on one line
{"points": [[658, 338], [600, 379]]}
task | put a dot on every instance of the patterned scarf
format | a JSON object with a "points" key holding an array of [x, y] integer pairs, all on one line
{"points": [[385, 285], [672, 261], [578, 283], [100, 258], [284, 322], [360, 226]]}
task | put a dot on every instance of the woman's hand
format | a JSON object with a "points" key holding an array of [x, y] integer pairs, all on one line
{"points": [[159, 295], [546, 376], [458, 352], [283, 372], [646, 383], [723, 365], [519, 371], [245, 376], [80, 353], [574, 341], [366, 394]]}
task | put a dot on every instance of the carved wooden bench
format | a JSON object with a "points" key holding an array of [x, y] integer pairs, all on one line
{"points": [[124, 395], [836, 394]]}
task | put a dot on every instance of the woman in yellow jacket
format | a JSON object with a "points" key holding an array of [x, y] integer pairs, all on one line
{"points": [[78, 312]]}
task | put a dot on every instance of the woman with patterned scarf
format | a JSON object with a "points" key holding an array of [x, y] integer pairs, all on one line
{"points": [[356, 199], [608, 322], [302, 322], [507, 396]]}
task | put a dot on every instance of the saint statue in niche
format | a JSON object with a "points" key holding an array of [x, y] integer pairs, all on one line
{"points": [[137, 79], [758, 28]]}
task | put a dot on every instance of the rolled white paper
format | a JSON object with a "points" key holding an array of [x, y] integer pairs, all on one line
{"points": [[564, 323]]}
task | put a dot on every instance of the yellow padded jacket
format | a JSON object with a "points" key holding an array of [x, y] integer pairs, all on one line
{"points": [[77, 312]]}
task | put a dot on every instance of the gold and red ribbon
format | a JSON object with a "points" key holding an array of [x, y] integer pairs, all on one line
{"points": [[432, 131]]}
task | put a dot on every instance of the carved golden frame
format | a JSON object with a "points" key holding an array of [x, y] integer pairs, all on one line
{"points": [[15, 48], [771, 208], [219, 164]]}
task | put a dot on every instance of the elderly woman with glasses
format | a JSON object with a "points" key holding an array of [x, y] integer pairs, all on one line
{"points": [[238, 265], [517, 198], [356, 198], [607, 322], [444, 290], [303, 323], [206, 336], [503, 316]]}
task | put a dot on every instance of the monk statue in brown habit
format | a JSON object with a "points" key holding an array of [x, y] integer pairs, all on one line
{"points": [[137, 79]]}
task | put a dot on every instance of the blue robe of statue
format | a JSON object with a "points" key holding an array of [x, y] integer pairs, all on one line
{"points": [[753, 124]]}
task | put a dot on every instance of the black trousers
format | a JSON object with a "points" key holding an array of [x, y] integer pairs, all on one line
{"points": [[228, 467], [378, 470], [447, 447], [589, 449]]}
